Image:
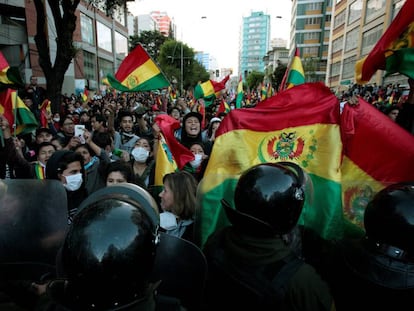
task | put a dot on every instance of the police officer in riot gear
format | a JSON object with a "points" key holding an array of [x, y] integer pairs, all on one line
{"points": [[376, 272], [250, 264], [108, 255]]}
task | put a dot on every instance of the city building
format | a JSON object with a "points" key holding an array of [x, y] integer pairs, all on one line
{"points": [[163, 22], [310, 34], [255, 42], [357, 27], [140, 23], [101, 43]]}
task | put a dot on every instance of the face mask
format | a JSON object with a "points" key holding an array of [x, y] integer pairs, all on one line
{"points": [[73, 182], [197, 161], [140, 154], [56, 119], [168, 220]]}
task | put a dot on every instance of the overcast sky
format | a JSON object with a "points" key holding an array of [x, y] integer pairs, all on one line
{"points": [[213, 26]]}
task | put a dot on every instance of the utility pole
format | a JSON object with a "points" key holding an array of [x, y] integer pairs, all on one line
{"points": [[182, 69]]}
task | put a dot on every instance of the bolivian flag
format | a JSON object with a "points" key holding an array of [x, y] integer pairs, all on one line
{"points": [[16, 112], [349, 156], [9, 76], [394, 52], [210, 88], [239, 98], [138, 72]]}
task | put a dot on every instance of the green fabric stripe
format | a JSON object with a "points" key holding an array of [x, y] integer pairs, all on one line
{"points": [[198, 92], [322, 211], [157, 82], [295, 77], [401, 61]]}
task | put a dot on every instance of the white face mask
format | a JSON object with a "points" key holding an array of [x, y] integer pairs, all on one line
{"points": [[73, 182], [56, 119], [197, 160], [140, 154], [168, 220]]}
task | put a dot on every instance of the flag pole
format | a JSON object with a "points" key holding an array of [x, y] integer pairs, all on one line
{"points": [[15, 114]]}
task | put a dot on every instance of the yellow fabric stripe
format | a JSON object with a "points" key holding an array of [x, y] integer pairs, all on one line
{"points": [[237, 150], [146, 71]]}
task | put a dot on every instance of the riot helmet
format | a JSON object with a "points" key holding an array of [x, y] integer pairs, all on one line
{"points": [[389, 221], [109, 250], [268, 199]]}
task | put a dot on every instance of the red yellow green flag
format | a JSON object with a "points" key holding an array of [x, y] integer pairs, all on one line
{"points": [[377, 152], [210, 88], [171, 155], [394, 52], [239, 98], [9, 76], [17, 113], [337, 150], [138, 72], [294, 74], [45, 111], [282, 128]]}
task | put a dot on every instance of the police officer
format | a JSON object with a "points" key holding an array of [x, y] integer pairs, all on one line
{"points": [[376, 272], [108, 255], [250, 266]]}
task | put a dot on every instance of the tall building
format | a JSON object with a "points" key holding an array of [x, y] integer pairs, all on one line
{"points": [[255, 42], [310, 34], [101, 41], [357, 27], [163, 21]]}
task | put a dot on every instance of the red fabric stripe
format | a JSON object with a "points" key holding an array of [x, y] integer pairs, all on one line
{"points": [[284, 102], [375, 143], [136, 58]]}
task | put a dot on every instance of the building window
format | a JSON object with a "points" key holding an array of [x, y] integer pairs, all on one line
{"points": [[351, 39], [89, 65], [339, 19], [337, 44], [349, 68], [104, 37], [121, 46], [370, 38], [355, 11], [374, 8], [335, 69], [86, 29], [311, 36], [105, 67]]}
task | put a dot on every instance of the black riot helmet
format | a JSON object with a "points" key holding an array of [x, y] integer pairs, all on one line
{"points": [[389, 220], [109, 251], [268, 199]]}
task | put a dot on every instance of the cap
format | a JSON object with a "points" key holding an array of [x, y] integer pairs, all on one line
{"points": [[43, 130]]}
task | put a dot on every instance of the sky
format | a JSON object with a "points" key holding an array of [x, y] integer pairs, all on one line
{"points": [[213, 26]]}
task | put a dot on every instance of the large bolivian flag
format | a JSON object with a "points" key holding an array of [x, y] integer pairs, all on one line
{"points": [[349, 156], [300, 125], [138, 72]]}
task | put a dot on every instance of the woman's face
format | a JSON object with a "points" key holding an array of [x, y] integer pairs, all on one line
{"points": [[114, 178], [142, 142], [73, 168], [167, 198], [197, 149], [192, 126]]}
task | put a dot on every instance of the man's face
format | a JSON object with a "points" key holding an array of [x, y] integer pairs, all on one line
{"points": [[127, 124], [43, 137], [45, 153]]}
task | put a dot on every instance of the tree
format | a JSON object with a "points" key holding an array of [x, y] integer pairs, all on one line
{"points": [[170, 61], [150, 40], [254, 79], [278, 75], [64, 22]]}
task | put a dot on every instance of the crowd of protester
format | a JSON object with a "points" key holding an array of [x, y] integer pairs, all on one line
{"points": [[118, 144]]}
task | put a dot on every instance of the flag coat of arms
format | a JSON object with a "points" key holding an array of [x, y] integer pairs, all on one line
{"points": [[137, 73]]}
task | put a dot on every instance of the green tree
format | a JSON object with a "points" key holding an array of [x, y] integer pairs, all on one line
{"points": [[64, 23], [150, 40], [175, 58], [254, 79], [278, 75]]}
